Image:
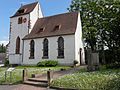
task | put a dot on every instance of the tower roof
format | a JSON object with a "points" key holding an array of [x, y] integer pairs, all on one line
{"points": [[62, 24], [25, 9]]}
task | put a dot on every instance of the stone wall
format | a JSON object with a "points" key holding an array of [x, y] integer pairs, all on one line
{"points": [[93, 60]]}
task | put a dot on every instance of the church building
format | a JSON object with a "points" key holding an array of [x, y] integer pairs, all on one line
{"points": [[34, 38]]}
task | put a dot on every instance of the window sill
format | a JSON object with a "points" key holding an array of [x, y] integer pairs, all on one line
{"points": [[60, 57], [45, 57], [18, 53], [31, 57]]}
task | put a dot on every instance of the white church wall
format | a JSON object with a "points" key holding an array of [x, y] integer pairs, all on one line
{"points": [[15, 58], [79, 41], [21, 30], [34, 15], [69, 52], [17, 30], [68, 49], [38, 50]]}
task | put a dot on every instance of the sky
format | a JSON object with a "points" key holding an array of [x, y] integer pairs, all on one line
{"points": [[9, 7]]}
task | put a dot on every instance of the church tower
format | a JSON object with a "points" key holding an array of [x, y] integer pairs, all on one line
{"points": [[21, 24]]}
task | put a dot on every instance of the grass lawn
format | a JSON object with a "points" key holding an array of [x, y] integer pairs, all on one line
{"points": [[100, 80], [17, 73]]}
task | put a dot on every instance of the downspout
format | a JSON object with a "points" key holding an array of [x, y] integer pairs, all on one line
{"points": [[29, 24], [22, 51]]}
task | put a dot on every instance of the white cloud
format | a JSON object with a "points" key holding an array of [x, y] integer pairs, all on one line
{"points": [[4, 42]]}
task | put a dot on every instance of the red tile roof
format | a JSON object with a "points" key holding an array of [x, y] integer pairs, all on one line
{"points": [[67, 25], [26, 9]]}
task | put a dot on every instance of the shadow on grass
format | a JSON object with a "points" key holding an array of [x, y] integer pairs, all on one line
{"points": [[18, 82], [10, 83]]}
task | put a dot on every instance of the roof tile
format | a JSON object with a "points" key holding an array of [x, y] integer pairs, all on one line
{"points": [[67, 22], [25, 9]]}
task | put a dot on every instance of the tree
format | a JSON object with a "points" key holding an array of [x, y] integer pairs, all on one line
{"points": [[89, 20], [100, 22], [2, 48]]}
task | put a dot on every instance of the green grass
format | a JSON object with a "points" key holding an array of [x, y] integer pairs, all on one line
{"points": [[100, 80], [2, 69], [17, 73]]}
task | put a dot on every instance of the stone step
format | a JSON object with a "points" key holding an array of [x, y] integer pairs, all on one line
{"points": [[40, 75], [41, 84], [38, 80]]}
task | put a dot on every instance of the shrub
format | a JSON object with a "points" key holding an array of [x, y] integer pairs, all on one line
{"points": [[75, 62], [47, 63], [112, 58], [113, 65]]}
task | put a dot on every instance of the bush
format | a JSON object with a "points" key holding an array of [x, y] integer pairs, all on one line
{"points": [[75, 62], [6, 63], [113, 65], [112, 58], [47, 63]]}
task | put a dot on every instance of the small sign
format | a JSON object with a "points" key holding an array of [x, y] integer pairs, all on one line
{"points": [[1, 65], [10, 69]]}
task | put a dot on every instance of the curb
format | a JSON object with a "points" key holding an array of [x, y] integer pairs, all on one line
{"points": [[62, 88]]}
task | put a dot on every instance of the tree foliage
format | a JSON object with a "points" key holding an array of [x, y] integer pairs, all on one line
{"points": [[100, 22], [2, 48]]}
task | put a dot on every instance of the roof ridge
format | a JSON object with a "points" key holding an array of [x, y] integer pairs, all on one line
{"points": [[29, 4], [58, 14]]}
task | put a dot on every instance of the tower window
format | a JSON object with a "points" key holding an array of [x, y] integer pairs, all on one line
{"points": [[20, 19]]}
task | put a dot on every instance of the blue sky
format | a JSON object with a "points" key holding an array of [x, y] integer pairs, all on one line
{"points": [[9, 7]]}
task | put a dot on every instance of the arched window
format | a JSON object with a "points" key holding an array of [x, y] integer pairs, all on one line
{"points": [[20, 19], [60, 47], [45, 48], [32, 49], [17, 45]]}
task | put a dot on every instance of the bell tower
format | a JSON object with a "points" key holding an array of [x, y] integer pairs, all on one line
{"points": [[21, 24]]}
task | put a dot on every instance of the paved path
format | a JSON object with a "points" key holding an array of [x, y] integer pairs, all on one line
{"points": [[57, 74], [22, 87]]}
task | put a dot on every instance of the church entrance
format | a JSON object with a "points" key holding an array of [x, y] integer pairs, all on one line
{"points": [[80, 56]]}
